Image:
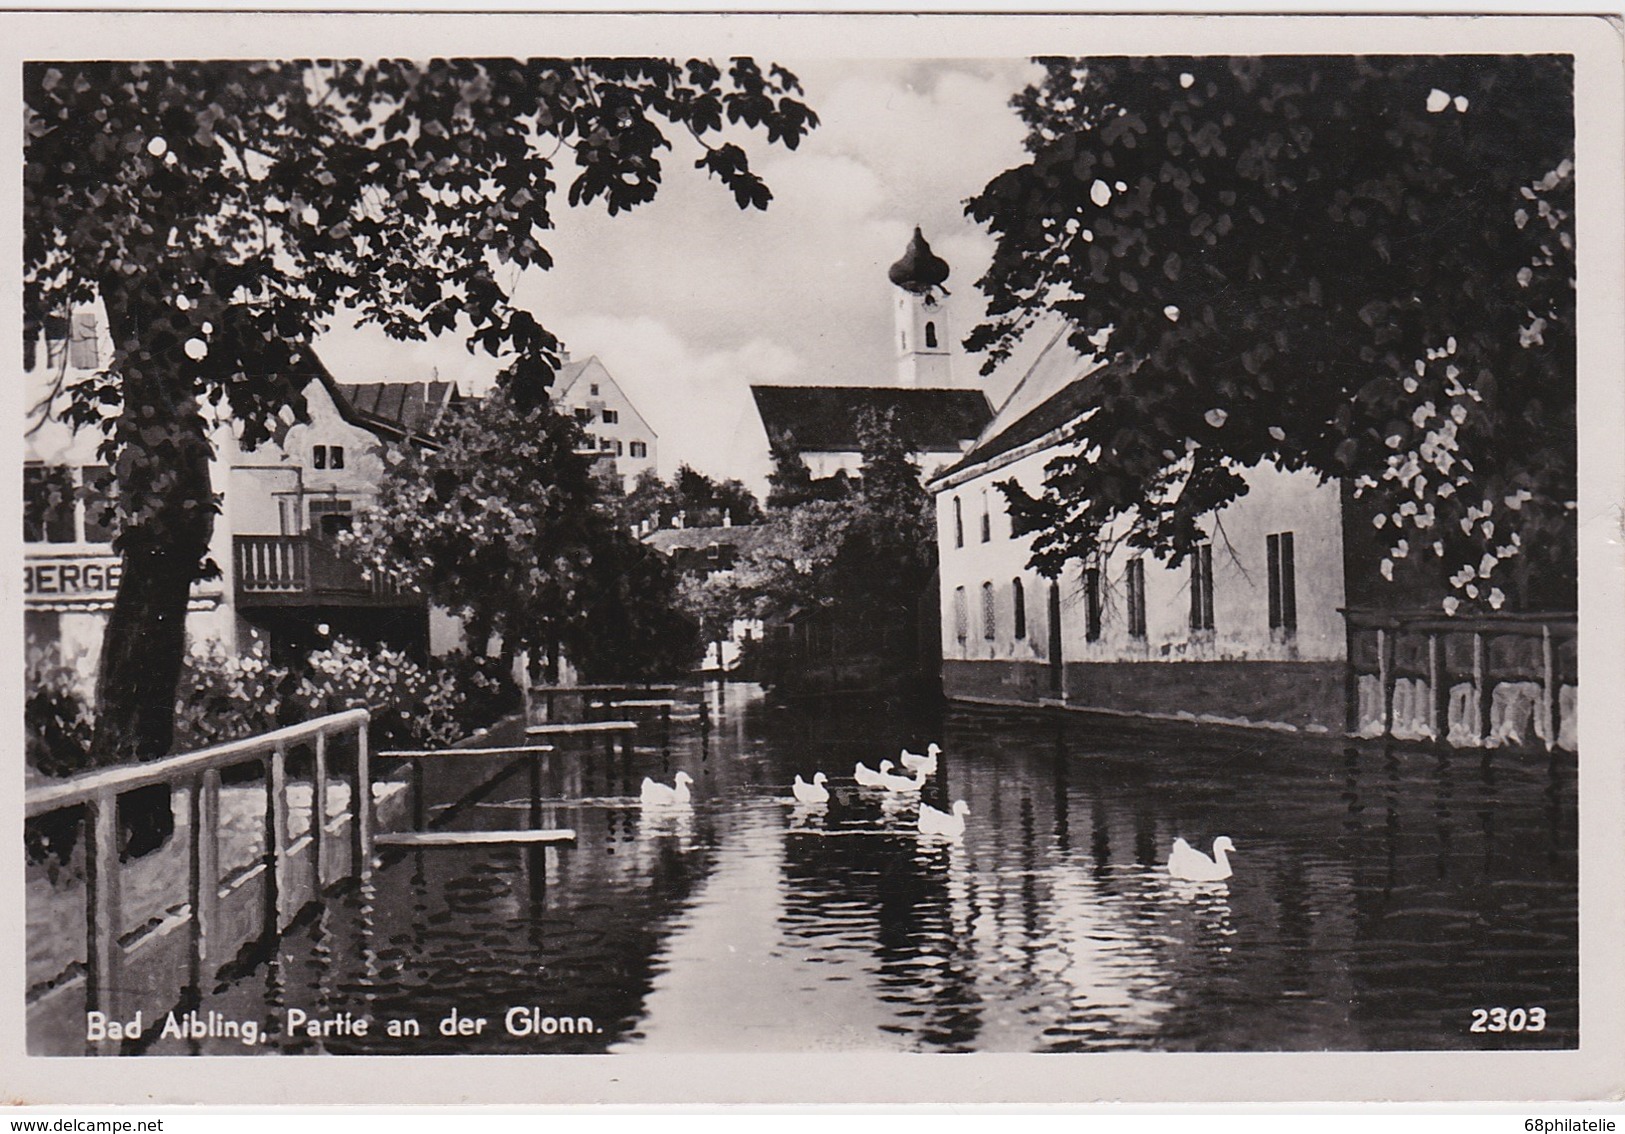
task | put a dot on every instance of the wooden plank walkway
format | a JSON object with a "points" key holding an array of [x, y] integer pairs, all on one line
{"points": [[514, 750], [473, 838], [574, 729]]}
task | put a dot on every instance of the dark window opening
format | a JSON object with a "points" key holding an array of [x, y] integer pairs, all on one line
{"points": [[930, 336], [48, 504], [318, 456], [1283, 583], [987, 521], [990, 613], [959, 523], [583, 414], [335, 456], [1202, 587], [95, 491], [611, 417], [1092, 607], [1136, 598], [961, 615], [330, 517], [1019, 598]]}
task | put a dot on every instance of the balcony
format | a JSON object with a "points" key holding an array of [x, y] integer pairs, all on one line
{"points": [[303, 570]]}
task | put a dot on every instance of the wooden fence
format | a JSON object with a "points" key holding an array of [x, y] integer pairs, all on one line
{"points": [[1472, 681], [98, 792]]}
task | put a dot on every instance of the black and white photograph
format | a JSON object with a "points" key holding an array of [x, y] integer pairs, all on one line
{"points": [[817, 537]]}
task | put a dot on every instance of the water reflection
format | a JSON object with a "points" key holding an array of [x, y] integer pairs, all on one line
{"points": [[1379, 897]]}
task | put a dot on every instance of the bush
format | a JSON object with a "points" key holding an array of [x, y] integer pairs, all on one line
{"points": [[221, 698], [488, 690], [411, 706], [56, 720]]}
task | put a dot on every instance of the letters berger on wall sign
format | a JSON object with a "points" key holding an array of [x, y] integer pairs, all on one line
{"points": [[90, 582]]}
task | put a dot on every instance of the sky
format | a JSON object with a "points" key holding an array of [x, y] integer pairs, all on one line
{"points": [[688, 300]]}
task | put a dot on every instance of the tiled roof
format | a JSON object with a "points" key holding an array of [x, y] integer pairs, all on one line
{"points": [[414, 407], [824, 419]]}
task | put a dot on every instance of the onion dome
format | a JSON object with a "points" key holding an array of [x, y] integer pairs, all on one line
{"points": [[920, 269]]}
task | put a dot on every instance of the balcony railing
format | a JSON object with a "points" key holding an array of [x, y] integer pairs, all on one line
{"points": [[302, 567]]}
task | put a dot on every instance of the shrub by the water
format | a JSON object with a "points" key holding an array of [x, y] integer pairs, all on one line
{"points": [[411, 706], [56, 718]]}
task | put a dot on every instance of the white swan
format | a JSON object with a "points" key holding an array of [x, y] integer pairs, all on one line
{"points": [[814, 792], [948, 825], [654, 794], [1192, 865], [914, 762], [868, 777], [902, 783]]}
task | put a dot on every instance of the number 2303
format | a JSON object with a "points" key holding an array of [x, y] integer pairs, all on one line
{"points": [[1509, 1020]]}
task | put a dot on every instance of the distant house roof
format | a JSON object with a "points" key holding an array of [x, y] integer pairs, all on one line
{"points": [[742, 537], [824, 419], [411, 407]]}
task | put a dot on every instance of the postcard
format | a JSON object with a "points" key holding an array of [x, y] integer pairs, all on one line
{"points": [[815, 558]]}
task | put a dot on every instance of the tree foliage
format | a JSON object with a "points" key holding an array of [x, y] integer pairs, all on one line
{"points": [[692, 496], [1359, 266], [497, 522], [865, 557], [224, 212], [503, 523]]}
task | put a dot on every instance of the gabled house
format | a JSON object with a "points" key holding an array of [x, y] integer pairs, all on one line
{"points": [[615, 432]]}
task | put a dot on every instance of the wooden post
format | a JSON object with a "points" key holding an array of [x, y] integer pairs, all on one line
{"points": [[1438, 689], [102, 905], [318, 811], [420, 809], [1385, 677], [361, 807], [536, 792], [1481, 684], [205, 868], [278, 896], [1351, 677], [1549, 685]]}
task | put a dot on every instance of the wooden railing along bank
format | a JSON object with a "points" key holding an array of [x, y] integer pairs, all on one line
{"points": [[1471, 681], [197, 776]]}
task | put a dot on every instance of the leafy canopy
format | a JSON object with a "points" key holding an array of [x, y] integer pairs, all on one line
{"points": [[288, 190], [1358, 266]]}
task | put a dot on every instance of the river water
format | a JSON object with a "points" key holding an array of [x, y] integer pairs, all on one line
{"points": [[1380, 897]]}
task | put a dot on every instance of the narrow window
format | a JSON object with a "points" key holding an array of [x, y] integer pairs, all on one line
{"points": [[987, 520], [618, 449], [902, 341], [611, 417], [961, 616], [990, 613], [1136, 598], [1019, 599], [1283, 583], [1091, 596], [94, 495], [930, 336], [335, 456], [594, 389], [318, 456], [1202, 587], [959, 524], [606, 444]]}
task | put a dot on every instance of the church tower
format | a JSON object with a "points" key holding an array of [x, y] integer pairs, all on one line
{"points": [[923, 359]]}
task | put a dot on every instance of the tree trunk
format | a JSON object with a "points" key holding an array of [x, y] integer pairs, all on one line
{"points": [[166, 516]]}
